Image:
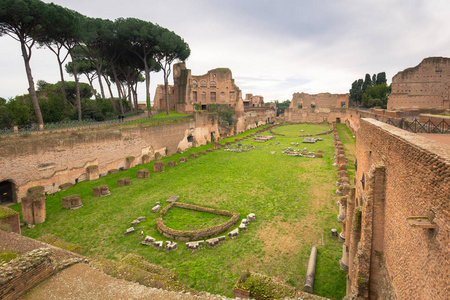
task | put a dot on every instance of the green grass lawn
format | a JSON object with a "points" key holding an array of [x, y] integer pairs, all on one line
{"points": [[293, 198]]}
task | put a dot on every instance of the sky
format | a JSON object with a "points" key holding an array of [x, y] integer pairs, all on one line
{"points": [[273, 48]]}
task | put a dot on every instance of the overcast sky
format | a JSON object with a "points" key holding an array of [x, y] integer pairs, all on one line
{"points": [[273, 48]]}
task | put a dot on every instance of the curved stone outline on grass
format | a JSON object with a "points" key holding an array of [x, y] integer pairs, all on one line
{"points": [[193, 235]]}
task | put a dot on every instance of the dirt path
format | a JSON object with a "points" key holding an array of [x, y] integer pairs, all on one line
{"points": [[83, 282]]}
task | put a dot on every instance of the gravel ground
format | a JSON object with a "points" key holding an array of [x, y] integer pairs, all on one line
{"points": [[83, 282]]}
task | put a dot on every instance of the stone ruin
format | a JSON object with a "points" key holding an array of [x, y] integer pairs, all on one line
{"points": [[159, 166], [202, 153], [172, 163], [101, 190], [214, 242], [143, 173], [193, 155], [310, 140], [72, 202], [194, 246], [239, 148], [172, 199], [33, 206], [263, 138], [183, 159], [125, 181], [303, 153], [156, 208]]}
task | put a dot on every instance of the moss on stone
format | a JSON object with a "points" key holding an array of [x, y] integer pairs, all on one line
{"points": [[6, 212]]}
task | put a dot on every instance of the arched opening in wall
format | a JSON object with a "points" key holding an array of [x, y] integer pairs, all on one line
{"points": [[7, 192], [190, 140], [338, 120]]}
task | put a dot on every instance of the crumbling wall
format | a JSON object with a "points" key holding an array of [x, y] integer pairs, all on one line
{"points": [[400, 174]]}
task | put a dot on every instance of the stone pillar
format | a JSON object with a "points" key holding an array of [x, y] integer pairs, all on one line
{"points": [[343, 262], [129, 162], [145, 159], [159, 166], [92, 172], [342, 208], [311, 271], [33, 206]]}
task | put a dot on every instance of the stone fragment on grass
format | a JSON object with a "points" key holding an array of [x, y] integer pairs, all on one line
{"points": [[148, 241], [214, 242], [194, 246], [158, 245], [173, 199], [135, 222], [233, 234], [242, 227], [129, 231], [156, 208], [251, 217], [170, 246], [244, 221], [141, 219]]}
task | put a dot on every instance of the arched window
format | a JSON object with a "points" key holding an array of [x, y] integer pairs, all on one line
{"points": [[203, 83], [194, 83], [203, 96], [212, 84], [222, 96]]}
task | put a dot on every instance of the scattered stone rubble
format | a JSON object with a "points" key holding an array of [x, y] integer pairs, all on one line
{"points": [[238, 148]]}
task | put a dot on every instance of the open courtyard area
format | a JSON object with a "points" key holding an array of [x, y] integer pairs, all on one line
{"points": [[292, 197]]}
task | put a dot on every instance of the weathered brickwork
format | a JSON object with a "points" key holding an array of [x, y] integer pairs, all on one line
{"points": [[399, 175], [424, 86]]}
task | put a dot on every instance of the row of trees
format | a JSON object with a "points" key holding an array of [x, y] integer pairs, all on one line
{"points": [[372, 91], [121, 52]]}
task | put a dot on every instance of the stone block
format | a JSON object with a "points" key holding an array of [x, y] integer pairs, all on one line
{"points": [[124, 181], [101, 190], [173, 199], [65, 186], [9, 219], [251, 217], [334, 233], [33, 206], [129, 231], [113, 171], [130, 162], [156, 208], [135, 222], [158, 155], [318, 155], [194, 246], [244, 221], [214, 242], [141, 219], [143, 173], [210, 150], [172, 163], [202, 153], [159, 166], [158, 245], [243, 227], [233, 234], [171, 246], [145, 159], [148, 241], [183, 159], [193, 155], [72, 202], [92, 172]]}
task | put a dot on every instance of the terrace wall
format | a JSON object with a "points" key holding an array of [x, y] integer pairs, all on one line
{"points": [[404, 175]]}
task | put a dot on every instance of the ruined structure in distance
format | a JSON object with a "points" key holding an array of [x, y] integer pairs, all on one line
{"points": [[425, 86], [215, 87]]}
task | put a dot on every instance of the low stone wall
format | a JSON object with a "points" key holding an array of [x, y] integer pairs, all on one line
{"points": [[196, 234], [24, 272]]}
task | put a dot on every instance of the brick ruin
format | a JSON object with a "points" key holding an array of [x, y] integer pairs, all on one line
{"points": [[318, 108], [215, 87], [425, 86], [399, 175]]}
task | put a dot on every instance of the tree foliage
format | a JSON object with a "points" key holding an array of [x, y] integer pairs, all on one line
{"points": [[372, 91], [122, 52]]}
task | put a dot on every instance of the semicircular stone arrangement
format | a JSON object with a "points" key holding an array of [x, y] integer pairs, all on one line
{"points": [[196, 234]]}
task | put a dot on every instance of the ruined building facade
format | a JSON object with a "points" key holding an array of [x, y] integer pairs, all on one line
{"points": [[425, 86], [189, 92], [397, 221]]}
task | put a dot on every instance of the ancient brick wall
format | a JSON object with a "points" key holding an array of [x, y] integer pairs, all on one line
{"points": [[53, 159], [322, 100], [423, 86], [404, 175], [315, 115]]}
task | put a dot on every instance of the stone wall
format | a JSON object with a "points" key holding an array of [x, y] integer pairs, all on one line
{"points": [[196, 234], [315, 115], [322, 100], [422, 87], [399, 175]]}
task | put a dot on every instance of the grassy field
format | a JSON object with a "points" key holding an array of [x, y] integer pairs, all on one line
{"points": [[293, 198]]}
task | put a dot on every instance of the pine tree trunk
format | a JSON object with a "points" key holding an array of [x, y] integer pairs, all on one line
{"points": [[31, 89]]}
